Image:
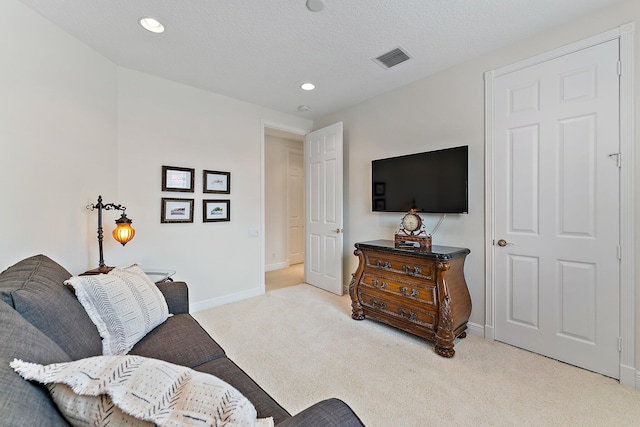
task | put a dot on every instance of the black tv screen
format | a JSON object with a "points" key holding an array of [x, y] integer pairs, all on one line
{"points": [[431, 182]]}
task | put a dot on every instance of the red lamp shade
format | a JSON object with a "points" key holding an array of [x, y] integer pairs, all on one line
{"points": [[123, 231]]}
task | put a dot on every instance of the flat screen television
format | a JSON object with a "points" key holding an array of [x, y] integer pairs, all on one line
{"points": [[430, 182]]}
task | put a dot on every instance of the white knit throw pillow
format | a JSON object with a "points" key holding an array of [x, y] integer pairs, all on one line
{"points": [[134, 390], [124, 305]]}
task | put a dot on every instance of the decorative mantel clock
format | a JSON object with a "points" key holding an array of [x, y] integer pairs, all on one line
{"points": [[412, 233]]}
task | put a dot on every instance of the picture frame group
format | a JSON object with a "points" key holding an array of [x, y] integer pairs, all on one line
{"points": [[175, 178], [180, 210], [175, 210]]}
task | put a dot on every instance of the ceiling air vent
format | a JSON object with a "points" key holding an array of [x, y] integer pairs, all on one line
{"points": [[392, 58]]}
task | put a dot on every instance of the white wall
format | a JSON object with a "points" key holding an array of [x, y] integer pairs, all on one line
{"points": [[444, 110], [73, 125], [57, 141], [166, 123], [276, 255]]}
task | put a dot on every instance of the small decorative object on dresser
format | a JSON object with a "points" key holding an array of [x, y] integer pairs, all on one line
{"points": [[412, 233], [420, 291]]}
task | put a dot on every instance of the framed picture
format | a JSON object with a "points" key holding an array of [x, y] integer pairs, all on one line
{"points": [[216, 182], [176, 210], [216, 210], [177, 179]]}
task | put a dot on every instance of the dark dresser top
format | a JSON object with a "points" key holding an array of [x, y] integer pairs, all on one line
{"points": [[435, 252]]}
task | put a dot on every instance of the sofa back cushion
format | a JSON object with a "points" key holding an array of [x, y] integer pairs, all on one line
{"points": [[35, 288], [23, 402]]}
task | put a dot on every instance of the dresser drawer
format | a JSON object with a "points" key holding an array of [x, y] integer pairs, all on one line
{"points": [[412, 291], [416, 268], [410, 312]]}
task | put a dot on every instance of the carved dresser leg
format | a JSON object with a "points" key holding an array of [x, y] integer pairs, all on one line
{"points": [[444, 334], [356, 308]]}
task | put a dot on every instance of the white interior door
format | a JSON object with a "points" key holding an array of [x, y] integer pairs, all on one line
{"points": [[295, 205], [557, 208], [323, 165]]}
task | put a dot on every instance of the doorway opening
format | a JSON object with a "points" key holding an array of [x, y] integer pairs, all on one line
{"points": [[284, 242]]}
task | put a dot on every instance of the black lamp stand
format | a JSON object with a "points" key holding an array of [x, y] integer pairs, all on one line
{"points": [[102, 267]]}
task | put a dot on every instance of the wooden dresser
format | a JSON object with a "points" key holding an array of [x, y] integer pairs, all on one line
{"points": [[420, 291]]}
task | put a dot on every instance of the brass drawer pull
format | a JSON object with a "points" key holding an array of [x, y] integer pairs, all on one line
{"points": [[386, 264], [375, 282], [414, 292], [381, 305], [411, 315], [408, 270]]}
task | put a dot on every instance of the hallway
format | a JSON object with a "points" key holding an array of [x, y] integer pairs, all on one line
{"points": [[291, 276]]}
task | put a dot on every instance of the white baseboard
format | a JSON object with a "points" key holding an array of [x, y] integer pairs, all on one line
{"points": [[276, 266], [214, 302], [489, 332], [627, 378], [475, 329]]}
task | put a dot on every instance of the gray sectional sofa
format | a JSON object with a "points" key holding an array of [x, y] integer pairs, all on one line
{"points": [[41, 321]]}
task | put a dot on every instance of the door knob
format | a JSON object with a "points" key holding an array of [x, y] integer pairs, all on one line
{"points": [[338, 230], [502, 243]]}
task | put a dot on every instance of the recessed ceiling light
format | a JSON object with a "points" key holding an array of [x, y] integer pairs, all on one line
{"points": [[304, 108], [307, 86], [152, 24], [315, 5]]}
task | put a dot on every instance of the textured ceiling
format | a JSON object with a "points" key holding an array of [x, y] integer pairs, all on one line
{"points": [[260, 51]]}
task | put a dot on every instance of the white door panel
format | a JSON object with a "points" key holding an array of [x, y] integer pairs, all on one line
{"points": [[522, 287], [324, 162], [557, 207], [295, 205]]}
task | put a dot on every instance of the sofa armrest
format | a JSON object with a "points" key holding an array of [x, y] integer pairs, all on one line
{"points": [[177, 296], [330, 412]]}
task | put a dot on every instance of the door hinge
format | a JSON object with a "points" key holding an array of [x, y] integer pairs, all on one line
{"points": [[619, 343], [619, 68], [618, 157], [619, 252]]}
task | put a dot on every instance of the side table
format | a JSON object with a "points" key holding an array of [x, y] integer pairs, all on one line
{"points": [[157, 276]]}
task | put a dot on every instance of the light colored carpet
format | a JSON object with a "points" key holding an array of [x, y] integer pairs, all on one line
{"points": [[284, 277], [301, 345]]}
